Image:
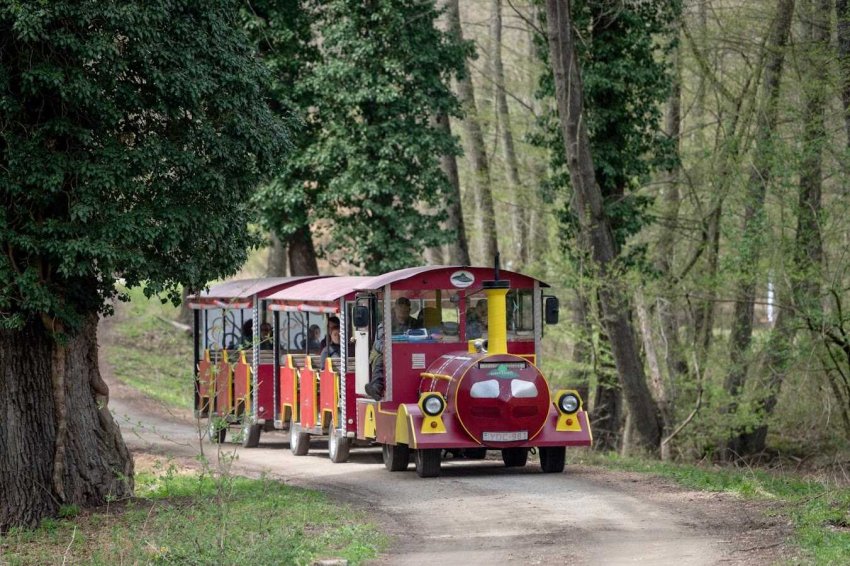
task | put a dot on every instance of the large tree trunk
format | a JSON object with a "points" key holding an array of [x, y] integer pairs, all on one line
{"points": [[596, 224], [302, 253], [276, 265], [808, 245], [475, 151], [458, 251], [95, 462], [754, 215], [519, 226]]}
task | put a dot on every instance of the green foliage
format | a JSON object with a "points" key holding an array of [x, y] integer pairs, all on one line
{"points": [[175, 520], [132, 135], [365, 161], [285, 36], [625, 80]]}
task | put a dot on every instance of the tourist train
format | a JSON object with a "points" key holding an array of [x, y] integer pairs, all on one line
{"points": [[457, 347]]}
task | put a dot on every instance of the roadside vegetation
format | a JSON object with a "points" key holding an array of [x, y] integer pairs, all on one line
{"points": [[819, 508], [150, 354], [180, 516]]}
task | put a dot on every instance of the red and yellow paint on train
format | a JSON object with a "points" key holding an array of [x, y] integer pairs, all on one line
{"points": [[457, 348]]}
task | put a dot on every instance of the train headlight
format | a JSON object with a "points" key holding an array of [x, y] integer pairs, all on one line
{"points": [[568, 403], [433, 405]]}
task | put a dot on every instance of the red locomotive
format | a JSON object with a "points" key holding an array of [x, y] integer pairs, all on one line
{"points": [[457, 348]]}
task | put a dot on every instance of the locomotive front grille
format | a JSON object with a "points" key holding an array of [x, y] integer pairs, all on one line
{"points": [[524, 411], [486, 412]]}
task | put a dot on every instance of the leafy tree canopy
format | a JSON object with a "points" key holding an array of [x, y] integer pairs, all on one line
{"points": [[131, 136], [364, 81], [625, 80]]}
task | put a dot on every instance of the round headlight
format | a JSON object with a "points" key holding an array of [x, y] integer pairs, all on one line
{"points": [[433, 405], [568, 403]]}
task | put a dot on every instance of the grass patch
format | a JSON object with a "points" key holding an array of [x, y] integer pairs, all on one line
{"points": [[149, 354], [821, 513], [198, 519]]}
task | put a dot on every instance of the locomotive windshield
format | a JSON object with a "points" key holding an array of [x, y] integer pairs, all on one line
{"points": [[520, 314], [426, 316]]}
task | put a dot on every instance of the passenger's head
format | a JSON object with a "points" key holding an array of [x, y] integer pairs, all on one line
{"points": [[481, 308], [315, 331], [334, 334], [248, 329], [333, 322], [265, 330], [402, 309]]}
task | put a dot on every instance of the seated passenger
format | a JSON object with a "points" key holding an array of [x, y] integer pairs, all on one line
{"points": [[333, 349], [333, 322], [266, 339], [314, 345], [476, 321]]}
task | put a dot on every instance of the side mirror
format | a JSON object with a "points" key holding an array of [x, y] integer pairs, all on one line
{"points": [[361, 317], [551, 310]]}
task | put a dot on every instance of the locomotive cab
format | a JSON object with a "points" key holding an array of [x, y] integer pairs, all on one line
{"points": [[444, 391]]}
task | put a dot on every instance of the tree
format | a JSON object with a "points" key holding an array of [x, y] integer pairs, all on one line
{"points": [[383, 78], [596, 224], [131, 137], [754, 213], [284, 34], [476, 152]]}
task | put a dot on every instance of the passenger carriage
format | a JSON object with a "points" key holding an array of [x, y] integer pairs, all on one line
{"points": [[234, 373], [457, 377]]}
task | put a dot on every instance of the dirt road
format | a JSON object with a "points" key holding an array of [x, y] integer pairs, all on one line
{"points": [[482, 513]]}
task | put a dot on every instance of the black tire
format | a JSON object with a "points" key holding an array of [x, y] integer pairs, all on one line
{"points": [[251, 435], [552, 459], [474, 453], [299, 442], [428, 462], [338, 446], [514, 457], [217, 429], [396, 457]]}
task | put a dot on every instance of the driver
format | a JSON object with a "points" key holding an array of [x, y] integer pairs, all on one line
{"points": [[402, 321]]}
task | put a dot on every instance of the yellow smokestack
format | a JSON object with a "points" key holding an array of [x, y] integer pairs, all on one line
{"points": [[497, 319]]}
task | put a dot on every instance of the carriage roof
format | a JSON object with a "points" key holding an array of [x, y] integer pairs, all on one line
{"points": [[329, 289], [239, 293], [438, 276]]}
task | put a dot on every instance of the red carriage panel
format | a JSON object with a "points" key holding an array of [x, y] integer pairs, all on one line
{"points": [[288, 389], [242, 383], [265, 391], [223, 383], [307, 395], [328, 395]]}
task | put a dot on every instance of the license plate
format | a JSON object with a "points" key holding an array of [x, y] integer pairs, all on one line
{"points": [[506, 436]]}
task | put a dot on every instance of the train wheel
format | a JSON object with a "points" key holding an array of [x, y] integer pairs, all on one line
{"points": [[515, 457], [217, 429], [396, 457], [299, 442], [338, 446], [552, 459], [428, 462], [474, 453], [251, 435]]}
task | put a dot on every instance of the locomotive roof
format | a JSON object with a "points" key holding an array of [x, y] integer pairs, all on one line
{"points": [[247, 288], [320, 290], [403, 274]]}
